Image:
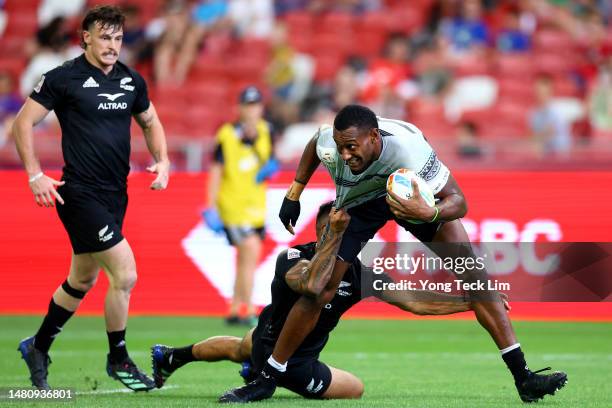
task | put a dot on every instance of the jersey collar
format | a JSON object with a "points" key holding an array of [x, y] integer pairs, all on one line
{"points": [[92, 69]]}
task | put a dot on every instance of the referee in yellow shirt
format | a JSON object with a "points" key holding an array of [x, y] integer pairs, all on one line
{"points": [[243, 160]]}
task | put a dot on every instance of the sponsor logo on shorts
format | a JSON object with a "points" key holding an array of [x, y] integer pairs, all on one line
{"points": [[312, 389], [103, 236]]}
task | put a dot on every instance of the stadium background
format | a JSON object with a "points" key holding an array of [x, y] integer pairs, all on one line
{"points": [[308, 57], [332, 53]]}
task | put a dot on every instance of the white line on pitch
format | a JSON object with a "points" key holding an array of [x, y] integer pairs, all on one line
{"points": [[120, 390]]}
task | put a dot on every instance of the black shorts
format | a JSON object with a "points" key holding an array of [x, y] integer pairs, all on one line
{"points": [[368, 218], [92, 218], [305, 376], [236, 234]]}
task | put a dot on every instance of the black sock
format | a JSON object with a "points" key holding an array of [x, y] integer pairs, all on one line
{"points": [[515, 360], [52, 324], [116, 343], [181, 356]]}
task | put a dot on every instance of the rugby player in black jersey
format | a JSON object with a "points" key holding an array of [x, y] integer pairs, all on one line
{"points": [[94, 97], [296, 269]]}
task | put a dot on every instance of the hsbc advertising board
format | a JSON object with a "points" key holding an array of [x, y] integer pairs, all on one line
{"points": [[185, 268]]}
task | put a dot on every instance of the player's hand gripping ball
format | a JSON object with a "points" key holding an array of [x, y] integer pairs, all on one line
{"points": [[400, 183]]}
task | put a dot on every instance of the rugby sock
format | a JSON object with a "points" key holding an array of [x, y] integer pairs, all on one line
{"points": [[181, 356], [116, 344], [52, 324], [515, 360], [281, 368]]}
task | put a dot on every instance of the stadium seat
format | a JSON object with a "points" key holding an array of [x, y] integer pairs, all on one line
{"points": [[338, 22], [30, 6], [552, 41], [516, 89], [516, 66], [327, 65], [22, 24], [14, 66]]}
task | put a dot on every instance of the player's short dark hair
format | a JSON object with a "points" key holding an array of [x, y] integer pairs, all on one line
{"points": [[324, 210], [358, 116], [106, 16]]}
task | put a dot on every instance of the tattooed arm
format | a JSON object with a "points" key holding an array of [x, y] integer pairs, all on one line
{"points": [[156, 143], [309, 278]]}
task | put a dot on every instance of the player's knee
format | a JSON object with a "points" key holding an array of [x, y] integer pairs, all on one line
{"points": [[126, 280], [358, 389], [83, 284]]}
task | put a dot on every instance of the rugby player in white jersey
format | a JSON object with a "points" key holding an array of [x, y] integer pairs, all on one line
{"points": [[360, 152]]}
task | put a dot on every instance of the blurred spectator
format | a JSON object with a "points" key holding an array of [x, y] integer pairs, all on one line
{"points": [[252, 18], [289, 75], [243, 161], [10, 103], [281, 7], [3, 17], [468, 31], [387, 85], [207, 17], [53, 49], [135, 45], [348, 6], [600, 100], [468, 143], [51, 9], [551, 131], [168, 30], [511, 38]]}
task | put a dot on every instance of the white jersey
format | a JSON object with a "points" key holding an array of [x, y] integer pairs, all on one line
{"points": [[403, 146]]}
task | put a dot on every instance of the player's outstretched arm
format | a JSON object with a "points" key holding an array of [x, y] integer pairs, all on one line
{"points": [[309, 278], [290, 209], [42, 186], [156, 143], [425, 302]]}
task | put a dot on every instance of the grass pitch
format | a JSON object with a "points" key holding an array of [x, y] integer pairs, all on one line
{"points": [[402, 363]]}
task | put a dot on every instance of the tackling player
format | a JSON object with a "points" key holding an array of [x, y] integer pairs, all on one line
{"points": [[360, 152], [295, 271], [94, 97]]}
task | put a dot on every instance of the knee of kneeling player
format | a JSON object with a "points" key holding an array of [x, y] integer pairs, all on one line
{"points": [[358, 389]]}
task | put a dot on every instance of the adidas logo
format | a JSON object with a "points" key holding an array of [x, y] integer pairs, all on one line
{"points": [[90, 83]]}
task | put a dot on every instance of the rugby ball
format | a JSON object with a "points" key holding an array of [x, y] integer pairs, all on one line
{"points": [[400, 183]]}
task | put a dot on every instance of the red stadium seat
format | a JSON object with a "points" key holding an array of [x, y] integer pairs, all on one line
{"points": [[552, 41], [22, 24], [516, 89], [553, 64], [516, 66], [14, 66], [325, 43], [470, 66], [337, 22], [299, 21], [327, 65], [22, 6]]}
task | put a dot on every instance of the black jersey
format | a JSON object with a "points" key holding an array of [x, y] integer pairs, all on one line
{"points": [[94, 112], [274, 315]]}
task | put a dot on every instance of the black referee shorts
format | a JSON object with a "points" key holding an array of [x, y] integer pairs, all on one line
{"points": [[368, 218], [92, 218]]}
